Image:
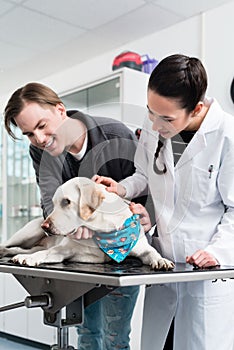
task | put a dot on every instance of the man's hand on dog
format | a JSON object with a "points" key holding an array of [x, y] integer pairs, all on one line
{"points": [[82, 233]]}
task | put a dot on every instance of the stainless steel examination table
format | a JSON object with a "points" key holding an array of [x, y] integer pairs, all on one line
{"points": [[63, 290]]}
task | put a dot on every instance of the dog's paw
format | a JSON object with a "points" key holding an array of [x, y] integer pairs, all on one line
{"points": [[162, 264], [24, 259]]}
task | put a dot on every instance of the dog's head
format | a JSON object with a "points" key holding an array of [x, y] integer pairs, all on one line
{"points": [[82, 202]]}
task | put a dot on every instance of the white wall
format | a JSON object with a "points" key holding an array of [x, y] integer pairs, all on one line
{"points": [[207, 36], [219, 53], [183, 38]]}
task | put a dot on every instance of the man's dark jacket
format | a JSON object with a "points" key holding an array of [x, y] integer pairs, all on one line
{"points": [[110, 152]]}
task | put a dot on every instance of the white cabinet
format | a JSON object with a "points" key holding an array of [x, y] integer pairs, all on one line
{"points": [[22, 322], [121, 95], [15, 321]]}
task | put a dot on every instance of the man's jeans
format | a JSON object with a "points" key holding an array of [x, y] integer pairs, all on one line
{"points": [[107, 322]]}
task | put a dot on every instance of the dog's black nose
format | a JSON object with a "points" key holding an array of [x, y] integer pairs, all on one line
{"points": [[46, 225]]}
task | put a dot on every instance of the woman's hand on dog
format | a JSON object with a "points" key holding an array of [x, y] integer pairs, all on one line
{"points": [[139, 209], [111, 185]]}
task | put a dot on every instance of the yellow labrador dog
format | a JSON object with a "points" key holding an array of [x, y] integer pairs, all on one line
{"points": [[81, 202]]}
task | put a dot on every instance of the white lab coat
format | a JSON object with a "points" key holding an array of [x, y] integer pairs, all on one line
{"points": [[194, 206]]}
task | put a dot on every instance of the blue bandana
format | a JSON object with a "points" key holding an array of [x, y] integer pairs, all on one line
{"points": [[118, 244]]}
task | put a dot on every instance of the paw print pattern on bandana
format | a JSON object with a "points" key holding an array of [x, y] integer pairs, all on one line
{"points": [[118, 244]]}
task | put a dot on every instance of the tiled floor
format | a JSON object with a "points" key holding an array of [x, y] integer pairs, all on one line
{"points": [[10, 345], [6, 344]]}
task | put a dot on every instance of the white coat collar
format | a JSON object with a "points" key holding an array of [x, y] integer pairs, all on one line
{"points": [[210, 123], [212, 119]]}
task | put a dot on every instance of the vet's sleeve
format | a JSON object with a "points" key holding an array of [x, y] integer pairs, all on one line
{"points": [[137, 184]]}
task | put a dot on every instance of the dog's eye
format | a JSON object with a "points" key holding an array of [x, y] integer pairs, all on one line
{"points": [[65, 202]]}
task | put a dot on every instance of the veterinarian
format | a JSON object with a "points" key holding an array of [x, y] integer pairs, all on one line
{"points": [[186, 156], [69, 144]]}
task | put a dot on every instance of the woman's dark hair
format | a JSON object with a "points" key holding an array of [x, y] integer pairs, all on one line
{"points": [[181, 78], [32, 92]]}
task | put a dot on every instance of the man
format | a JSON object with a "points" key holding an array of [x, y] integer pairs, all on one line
{"points": [[68, 144]]}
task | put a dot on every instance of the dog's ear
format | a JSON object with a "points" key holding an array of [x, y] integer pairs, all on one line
{"points": [[90, 199]]}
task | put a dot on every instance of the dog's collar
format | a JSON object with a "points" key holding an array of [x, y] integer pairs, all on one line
{"points": [[118, 244]]}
